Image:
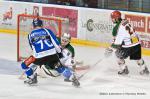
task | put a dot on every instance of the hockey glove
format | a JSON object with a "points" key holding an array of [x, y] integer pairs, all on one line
{"points": [[108, 51]]}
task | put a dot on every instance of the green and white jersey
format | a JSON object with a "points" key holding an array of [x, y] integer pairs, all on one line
{"points": [[68, 55], [125, 35]]}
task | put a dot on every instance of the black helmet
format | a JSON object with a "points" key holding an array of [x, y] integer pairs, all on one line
{"points": [[37, 22]]}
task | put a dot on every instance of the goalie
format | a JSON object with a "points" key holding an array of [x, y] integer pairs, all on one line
{"points": [[126, 43], [67, 51]]}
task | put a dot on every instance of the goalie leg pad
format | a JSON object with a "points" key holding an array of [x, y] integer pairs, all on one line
{"points": [[47, 71]]}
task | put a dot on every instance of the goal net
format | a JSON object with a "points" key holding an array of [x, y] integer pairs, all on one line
{"points": [[24, 27]]}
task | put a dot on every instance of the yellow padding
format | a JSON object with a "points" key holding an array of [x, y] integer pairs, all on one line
{"points": [[8, 31], [145, 52], [88, 43]]}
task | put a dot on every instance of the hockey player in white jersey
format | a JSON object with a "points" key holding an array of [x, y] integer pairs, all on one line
{"points": [[126, 43], [46, 51], [68, 55], [67, 51]]}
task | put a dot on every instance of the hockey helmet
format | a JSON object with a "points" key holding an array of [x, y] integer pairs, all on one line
{"points": [[66, 36], [116, 14], [37, 22], [65, 39]]}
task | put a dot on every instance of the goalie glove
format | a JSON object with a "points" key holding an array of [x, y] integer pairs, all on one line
{"points": [[108, 51]]}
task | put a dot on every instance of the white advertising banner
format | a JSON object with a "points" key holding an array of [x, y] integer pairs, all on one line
{"points": [[94, 25]]}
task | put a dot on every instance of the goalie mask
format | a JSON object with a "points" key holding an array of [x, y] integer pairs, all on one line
{"points": [[115, 16], [65, 39]]}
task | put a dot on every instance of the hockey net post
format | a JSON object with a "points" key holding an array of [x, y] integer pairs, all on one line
{"points": [[24, 26]]}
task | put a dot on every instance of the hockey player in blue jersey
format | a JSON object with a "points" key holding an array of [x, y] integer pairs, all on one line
{"points": [[46, 51]]}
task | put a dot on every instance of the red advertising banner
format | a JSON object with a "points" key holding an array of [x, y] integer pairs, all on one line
{"points": [[70, 14], [137, 21], [148, 24], [145, 43]]}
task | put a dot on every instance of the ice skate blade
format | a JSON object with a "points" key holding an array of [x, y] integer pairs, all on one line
{"points": [[34, 84]]}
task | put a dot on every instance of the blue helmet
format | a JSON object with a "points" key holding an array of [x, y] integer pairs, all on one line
{"points": [[37, 22]]}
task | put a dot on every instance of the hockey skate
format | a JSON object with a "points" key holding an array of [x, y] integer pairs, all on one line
{"points": [[145, 71], [75, 81], [67, 80], [31, 81], [125, 71]]}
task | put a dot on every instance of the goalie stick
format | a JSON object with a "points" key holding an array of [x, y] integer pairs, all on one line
{"points": [[93, 66]]}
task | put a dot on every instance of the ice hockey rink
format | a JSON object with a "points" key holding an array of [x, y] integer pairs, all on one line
{"points": [[101, 81]]}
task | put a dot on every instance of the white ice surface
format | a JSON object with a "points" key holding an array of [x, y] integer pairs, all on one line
{"points": [[102, 78]]}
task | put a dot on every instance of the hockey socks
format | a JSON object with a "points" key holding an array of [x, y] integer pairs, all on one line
{"points": [[69, 75], [66, 72]]}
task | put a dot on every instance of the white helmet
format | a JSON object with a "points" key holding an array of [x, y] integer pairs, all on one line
{"points": [[66, 36]]}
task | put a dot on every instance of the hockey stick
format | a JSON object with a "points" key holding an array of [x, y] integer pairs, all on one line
{"points": [[107, 54], [78, 66], [93, 66], [22, 75], [79, 62], [82, 67]]}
